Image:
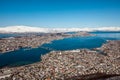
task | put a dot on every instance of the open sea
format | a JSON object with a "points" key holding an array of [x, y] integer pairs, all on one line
{"points": [[27, 56]]}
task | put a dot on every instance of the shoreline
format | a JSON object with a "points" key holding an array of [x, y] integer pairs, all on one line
{"points": [[33, 41], [71, 63]]}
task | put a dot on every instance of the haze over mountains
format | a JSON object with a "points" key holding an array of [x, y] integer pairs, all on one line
{"points": [[22, 29]]}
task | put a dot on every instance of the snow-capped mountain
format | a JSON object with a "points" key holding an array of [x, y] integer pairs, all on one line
{"points": [[21, 29]]}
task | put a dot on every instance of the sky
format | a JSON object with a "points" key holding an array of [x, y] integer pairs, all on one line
{"points": [[60, 13]]}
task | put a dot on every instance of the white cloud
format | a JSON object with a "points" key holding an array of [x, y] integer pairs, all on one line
{"points": [[21, 29]]}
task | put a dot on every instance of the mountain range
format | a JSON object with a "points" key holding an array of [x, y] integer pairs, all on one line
{"points": [[22, 29]]}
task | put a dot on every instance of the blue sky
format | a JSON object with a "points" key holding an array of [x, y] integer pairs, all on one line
{"points": [[60, 13]]}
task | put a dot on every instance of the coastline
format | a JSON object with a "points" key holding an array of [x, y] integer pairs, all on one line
{"points": [[68, 64], [33, 41]]}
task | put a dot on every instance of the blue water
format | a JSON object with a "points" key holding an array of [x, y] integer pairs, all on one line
{"points": [[75, 43], [109, 36], [28, 56], [8, 35], [21, 57]]}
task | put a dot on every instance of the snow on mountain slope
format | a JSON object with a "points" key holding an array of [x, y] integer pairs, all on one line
{"points": [[21, 29]]}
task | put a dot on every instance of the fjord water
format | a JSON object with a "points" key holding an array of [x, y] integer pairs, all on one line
{"points": [[27, 56], [3, 35]]}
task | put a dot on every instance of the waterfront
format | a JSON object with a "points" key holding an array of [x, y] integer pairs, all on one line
{"points": [[28, 55], [33, 40], [80, 64], [59, 39]]}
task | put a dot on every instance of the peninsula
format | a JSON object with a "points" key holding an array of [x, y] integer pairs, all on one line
{"points": [[33, 40]]}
